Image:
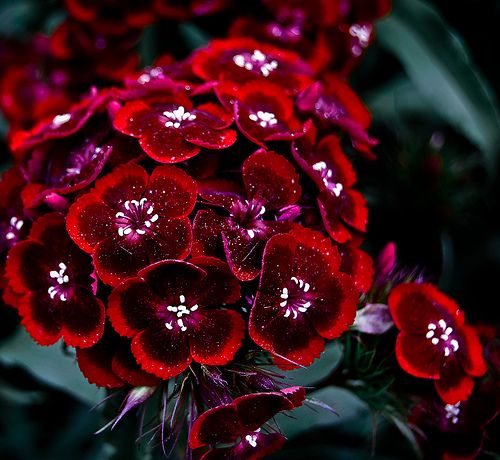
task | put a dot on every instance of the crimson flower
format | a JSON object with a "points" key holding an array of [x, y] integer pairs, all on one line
{"points": [[240, 60], [263, 111], [434, 343], [171, 310], [171, 130], [341, 207], [302, 298], [271, 184], [239, 423], [54, 278], [130, 220]]}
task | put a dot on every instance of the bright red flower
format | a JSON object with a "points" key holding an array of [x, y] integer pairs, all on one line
{"points": [[263, 111], [171, 130], [302, 299], [171, 310], [55, 279], [271, 184], [239, 423], [110, 363], [241, 60], [434, 342], [130, 220], [342, 208]]}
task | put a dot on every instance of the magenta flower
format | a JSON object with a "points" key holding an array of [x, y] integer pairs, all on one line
{"points": [[172, 312], [271, 185], [130, 220], [54, 280]]}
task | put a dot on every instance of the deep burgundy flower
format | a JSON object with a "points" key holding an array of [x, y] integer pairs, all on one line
{"points": [[55, 279], [239, 423], [263, 111], [334, 103], [271, 184], [171, 310], [342, 208], [171, 130], [240, 60], [434, 343], [130, 220], [302, 298], [110, 363]]}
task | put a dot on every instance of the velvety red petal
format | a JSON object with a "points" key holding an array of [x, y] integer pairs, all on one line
{"points": [[359, 265], [266, 445], [418, 356], [125, 366], [472, 358], [171, 191], [204, 136], [83, 319], [354, 211], [272, 179], [256, 409], [213, 115], [125, 183], [218, 425], [162, 352], [133, 117], [454, 385], [89, 221], [132, 306], [207, 229], [168, 239], [335, 310], [217, 337], [413, 306], [95, 364], [329, 210]]}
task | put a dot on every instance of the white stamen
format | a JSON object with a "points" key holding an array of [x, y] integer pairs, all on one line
{"points": [[169, 325], [59, 120]]}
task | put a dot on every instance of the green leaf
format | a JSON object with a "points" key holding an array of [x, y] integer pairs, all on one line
{"points": [[439, 65], [320, 369], [347, 406], [49, 365], [193, 36]]}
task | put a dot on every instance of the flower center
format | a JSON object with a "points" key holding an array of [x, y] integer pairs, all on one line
{"points": [[137, 217], [363, 34], [62, 280], [441, 334], [177, 116], [180, 310], [247, 214], [452, 412], [327, 174], [263, 119], [251, 439], [296, 298], [257, 61]]}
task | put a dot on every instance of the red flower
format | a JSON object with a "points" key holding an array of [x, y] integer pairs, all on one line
{"points": [[131, 220], [271, 184], [172, 130], [341, 207], [359, 265], [240, 60], [170, 311], [263, 111], [55, 279], [109, 363], [240, 423], [302, 298], [434, 342]]}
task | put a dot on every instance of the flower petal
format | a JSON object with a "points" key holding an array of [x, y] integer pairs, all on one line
{"points": [[454, 385], [256, 409], [418, 356], [209, 138], [125, 366], [207, 229], [168, 239], [218, 425], [472, 359]]}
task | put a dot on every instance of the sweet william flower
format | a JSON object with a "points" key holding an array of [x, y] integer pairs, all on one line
{"points": [[434, 342], [173, 313], [239, 423], [130, 220], [271, 184], [302, 298], [171, 130], [54, 280]]}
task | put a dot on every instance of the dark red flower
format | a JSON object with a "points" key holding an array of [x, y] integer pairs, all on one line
{"points": [[240, 60], [271, 184], [334, 103], [434, 342], [342, 208], [110, 363], [263, 111], [55, 279], [239, 423], [172, 312], [359, 265], [172, 130], [302, 298], [131, 219]]}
